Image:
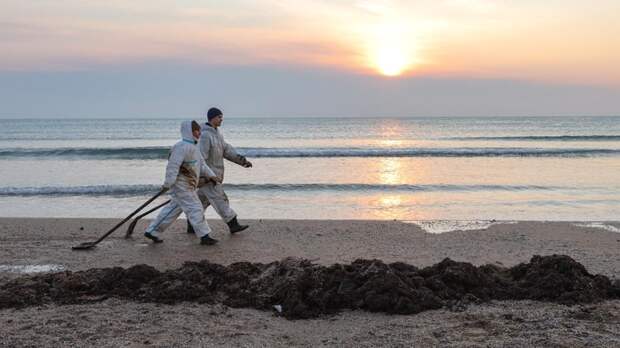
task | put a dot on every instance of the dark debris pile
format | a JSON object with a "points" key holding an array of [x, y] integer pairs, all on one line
{"points": [[305, 290]]}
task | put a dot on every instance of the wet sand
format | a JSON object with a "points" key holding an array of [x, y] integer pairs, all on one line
{"points": [[113, 322]]}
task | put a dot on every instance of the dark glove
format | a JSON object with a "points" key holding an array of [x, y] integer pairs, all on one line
{"points": [[244, 162]]}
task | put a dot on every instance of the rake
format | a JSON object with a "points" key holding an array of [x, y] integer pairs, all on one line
{"points": [[90, 245], [132, 226]]}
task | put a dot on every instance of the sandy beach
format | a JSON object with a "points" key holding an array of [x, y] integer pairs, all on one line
{"points": [[373, 174], [39, 244]]}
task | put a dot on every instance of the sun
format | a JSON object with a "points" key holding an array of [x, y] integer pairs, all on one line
{"points": [[391, 61], [392, 50]]}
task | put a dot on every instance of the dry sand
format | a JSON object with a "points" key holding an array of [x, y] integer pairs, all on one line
{"points": [[47, 243]]}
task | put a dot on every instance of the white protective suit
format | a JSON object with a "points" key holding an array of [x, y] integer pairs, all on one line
{"points": [[213, 149], [185, 166]]}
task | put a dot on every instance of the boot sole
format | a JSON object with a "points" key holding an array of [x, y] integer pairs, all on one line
{"points": [[239, 229], [208, 242], [153, 238]]}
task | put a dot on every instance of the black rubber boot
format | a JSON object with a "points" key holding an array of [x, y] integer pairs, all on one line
{"points": [[153, 238], [190, 229], [206, 240], [234, 227]]}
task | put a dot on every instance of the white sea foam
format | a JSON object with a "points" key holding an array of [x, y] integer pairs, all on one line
{"points": [[442, 226], [600, 225], [31, 268]]}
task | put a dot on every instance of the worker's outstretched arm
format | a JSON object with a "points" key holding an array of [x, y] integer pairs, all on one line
{"points": [[231, 154]]}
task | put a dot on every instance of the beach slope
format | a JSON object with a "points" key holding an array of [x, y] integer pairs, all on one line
{"points": [[31, 245]]}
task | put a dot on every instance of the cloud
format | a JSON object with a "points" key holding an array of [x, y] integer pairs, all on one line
{"points": [[480, 38]]}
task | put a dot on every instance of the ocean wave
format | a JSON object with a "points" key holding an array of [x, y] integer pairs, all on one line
{"points": [[149, 153], [95, 190], [138, 190], [428, 152], [154, 152], [546, 138]]}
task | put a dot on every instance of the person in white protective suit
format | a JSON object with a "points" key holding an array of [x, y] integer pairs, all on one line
{"points": [[183, 172], [214, 149]]}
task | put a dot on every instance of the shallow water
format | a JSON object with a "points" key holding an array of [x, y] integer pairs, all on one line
{"points": [[564, 168]]}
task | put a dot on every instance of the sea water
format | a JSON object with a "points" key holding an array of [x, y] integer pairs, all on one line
{"points": [[522, 168]]}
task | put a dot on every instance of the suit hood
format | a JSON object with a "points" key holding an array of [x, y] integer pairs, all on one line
{"points": [[186, 132]]}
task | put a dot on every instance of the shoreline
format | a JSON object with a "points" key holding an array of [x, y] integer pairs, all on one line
{"points": [[46, 241]]}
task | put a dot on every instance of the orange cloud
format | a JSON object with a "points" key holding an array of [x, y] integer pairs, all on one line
{"points": [[568, 42]]}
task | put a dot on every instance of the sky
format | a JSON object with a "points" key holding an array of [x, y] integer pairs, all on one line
{"points": [[300, 58]]}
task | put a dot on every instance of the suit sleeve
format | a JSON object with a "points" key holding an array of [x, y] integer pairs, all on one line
{"points": [[175, 160], [232, 155]]}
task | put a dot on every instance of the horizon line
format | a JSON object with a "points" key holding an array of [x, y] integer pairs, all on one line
{"points": [[38, 118]]}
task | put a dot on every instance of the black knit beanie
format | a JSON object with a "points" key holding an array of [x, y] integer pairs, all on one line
{"points": [[213, 112]]}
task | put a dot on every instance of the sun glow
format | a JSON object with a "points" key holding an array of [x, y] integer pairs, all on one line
{"points": [[391, 62], [392, 50]]}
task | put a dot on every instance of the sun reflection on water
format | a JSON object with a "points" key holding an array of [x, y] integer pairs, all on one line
{"points": [[391, 143], [390, 201], [390, 171]]}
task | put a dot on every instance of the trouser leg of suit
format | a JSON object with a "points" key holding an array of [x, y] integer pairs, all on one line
{"points": [[217, 198], [186, 202], [205, 205], [203, 199], [192, 207], [165, 218]]}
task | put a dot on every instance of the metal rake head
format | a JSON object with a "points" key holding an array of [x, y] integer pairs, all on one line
{"points": [[84, 246]]}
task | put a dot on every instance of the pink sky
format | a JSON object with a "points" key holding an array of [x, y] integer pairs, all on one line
{"points": [[371, 58], [550, 41]]}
